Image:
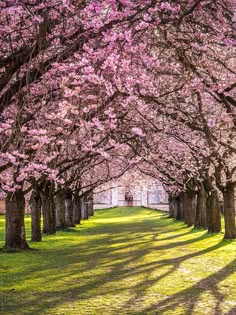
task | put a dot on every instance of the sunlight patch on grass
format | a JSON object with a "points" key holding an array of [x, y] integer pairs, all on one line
{"points": [[121, 261]]}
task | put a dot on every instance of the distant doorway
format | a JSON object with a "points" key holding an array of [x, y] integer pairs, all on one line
{"points": [[129, 199]]}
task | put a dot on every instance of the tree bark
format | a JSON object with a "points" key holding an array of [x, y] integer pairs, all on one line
{"points": [[35, 205], [201, 218], [68, 208], [90, 206], [15, 226], [189, 207], [84, 209], [48, 209], [213, 212], [179, 207], [76, 209], [174, 202], [60, 210], [229, 212], [171, 207]]}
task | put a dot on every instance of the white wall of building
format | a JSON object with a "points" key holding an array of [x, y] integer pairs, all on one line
{"points": [[115, 197], [97, 206], [150, 197], [159, 206], [144, 198]]}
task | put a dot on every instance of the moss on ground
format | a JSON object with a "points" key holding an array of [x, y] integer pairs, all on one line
{"points": [[122, 261]]}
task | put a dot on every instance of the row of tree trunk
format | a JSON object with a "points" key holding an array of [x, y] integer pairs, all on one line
{"points": [[201, 208], [60, 211]]}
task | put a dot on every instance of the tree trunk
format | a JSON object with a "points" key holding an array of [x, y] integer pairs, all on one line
{"points": [[90, 206], [213, 213], [60, 210], [76, 209], [179, 207], [48, 209], [68, 208], [229, 213], [174, 201], [201, 218], [84, 209], [15, 225], [189, 207], [171, 207], [35, 206]]}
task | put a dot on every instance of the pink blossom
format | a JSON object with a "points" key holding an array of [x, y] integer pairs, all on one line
{"points": [[211, 122], [8, 132], [137, 131], [35, 146], [86, 110], [59, 129], [127, 3], [21, 177], [23, 129]]}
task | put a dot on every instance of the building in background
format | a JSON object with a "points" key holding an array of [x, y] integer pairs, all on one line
{"points": [[151, 195], [130, 190]]}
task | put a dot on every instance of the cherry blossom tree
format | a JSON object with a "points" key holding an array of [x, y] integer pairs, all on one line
{"points": [[83, 83]]}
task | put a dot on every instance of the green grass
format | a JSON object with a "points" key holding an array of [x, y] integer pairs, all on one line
{"points": [[122, 261]]}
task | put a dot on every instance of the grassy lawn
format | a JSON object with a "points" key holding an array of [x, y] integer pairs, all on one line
{"points": [[122, 261]]}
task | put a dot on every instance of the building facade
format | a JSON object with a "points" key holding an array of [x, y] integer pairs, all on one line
{"points": [[150, 196]]}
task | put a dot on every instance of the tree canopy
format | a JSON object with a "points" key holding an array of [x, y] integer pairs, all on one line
{"points": [[92, 89]]}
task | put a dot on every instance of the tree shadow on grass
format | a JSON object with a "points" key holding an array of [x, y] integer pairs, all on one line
{"points": [[174, 265], [74, 263], [120, 270], [189, 297]]}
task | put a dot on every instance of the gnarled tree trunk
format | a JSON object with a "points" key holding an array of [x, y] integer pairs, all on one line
{"points": [[60, 209], [15, 226], [189, 207], [229, 212], [179, 207], [201, 217], [68, 208], [48, 209], [76, 208], [175, 207], [84, 209], [171, 207], [90, 206], [213, 212], [90, 209], [35, 205]]}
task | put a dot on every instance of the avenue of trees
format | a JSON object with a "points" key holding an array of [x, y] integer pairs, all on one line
{"points": [[92, 89]]}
